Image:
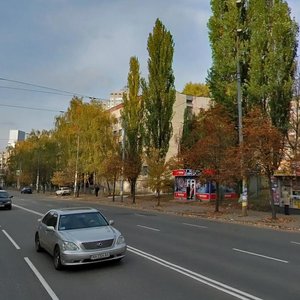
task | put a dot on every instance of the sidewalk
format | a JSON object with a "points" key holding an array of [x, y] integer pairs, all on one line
{"points": [[231, 213]]}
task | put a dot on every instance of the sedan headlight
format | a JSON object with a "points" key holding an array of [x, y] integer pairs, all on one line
{"points": [[69, 246], [120, 240]]}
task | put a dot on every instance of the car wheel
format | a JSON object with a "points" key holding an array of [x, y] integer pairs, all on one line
{"points": [[9, 207], [56, 259], [37, 242]]}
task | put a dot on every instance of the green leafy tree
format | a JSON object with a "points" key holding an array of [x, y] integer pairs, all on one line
{"points": [[291, 160], [159, 91], [190, 134], [264, 45], [273, 48], [132, 116], [196, 89]]}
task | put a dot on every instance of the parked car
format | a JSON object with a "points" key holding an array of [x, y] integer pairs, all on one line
{"points": [[63, 191], [76, 236], [5, 199], [26, 190]]}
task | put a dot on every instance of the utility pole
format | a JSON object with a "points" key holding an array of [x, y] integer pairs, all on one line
{"points": [[76, 193], [38, 175], [244, 193]]}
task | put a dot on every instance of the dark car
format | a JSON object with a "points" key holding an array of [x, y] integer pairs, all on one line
{"points": [[26, 190], [5, 199]]}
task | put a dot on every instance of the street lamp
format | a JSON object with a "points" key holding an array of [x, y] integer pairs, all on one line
{"points": [[76, 194], [244, 194]]}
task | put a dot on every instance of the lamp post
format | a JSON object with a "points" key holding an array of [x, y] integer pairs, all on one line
{"points": [[244, 194], [38, 174], [76, 194]]}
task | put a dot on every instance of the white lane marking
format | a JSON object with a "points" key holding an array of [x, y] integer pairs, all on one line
{"points": [[198, 277], [41, 279], [260, 255], [29, 210], [193, 225], [292, 242], [10, 238], [150, 228]]}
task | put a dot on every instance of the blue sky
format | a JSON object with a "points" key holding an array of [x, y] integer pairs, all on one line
{"points": [[84, 47]]}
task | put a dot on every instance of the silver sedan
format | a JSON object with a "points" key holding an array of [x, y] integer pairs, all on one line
{"points": [[75, 236]]}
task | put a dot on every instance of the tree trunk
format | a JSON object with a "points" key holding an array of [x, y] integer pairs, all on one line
{"points": [[158, 198], [272, 197], [132, 187], [84, 183], [108, 187], [114, 189]]}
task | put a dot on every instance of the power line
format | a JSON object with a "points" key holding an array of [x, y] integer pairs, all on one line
{"points": [[31, 108], [46, 87], [31, 90]]}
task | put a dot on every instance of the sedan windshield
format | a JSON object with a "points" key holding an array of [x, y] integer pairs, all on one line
{"points": [[81, 220], [4, 195]]}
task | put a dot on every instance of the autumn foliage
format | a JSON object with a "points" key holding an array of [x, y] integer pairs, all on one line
{"points": [[215, 149]]}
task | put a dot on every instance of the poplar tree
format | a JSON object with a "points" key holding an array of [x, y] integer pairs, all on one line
{"points": [[261, 36], [132, 115], [159, 91]]}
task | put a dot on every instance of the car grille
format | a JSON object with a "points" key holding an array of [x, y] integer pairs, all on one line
{"points": [[98, 244]]}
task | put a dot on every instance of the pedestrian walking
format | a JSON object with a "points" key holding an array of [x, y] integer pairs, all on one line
{"points": [[188, 191], [96, 190]]}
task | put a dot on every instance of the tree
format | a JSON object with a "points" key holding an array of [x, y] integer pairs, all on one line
{"points": [[263, 147], [293, 134], [159, 92], [34, 159], [190, 134], [132, 116], [196, 89], [159, 173], [265, 47], [112, 168], [273, 49], [214, 149], [86, 129]]}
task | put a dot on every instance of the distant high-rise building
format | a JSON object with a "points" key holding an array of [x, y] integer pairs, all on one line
{"points": [[15, 136], [115, 98]]}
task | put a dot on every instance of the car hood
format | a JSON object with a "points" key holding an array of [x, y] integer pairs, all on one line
{"points": [[90, 234], [5, 199]]}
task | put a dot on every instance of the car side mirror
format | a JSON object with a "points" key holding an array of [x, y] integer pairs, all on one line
{"points": [[50, 228], [111, 222], [11, 196]]}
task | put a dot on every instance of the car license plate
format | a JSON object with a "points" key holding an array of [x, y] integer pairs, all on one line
{"points": [[99, 256]]}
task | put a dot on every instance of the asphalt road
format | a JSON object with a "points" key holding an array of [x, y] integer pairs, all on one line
{"points": [[169, 257]]}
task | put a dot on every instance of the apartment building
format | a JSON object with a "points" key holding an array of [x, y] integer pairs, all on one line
{"points": [[182, 101]]}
